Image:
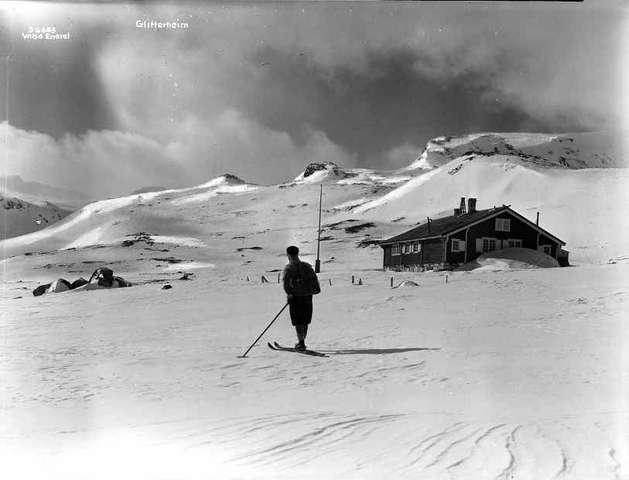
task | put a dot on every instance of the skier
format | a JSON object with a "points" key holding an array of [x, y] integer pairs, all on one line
{"points": [[300, 284]]}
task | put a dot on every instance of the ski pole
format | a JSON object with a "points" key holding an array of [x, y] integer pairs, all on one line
{"points": [[264, 331]]}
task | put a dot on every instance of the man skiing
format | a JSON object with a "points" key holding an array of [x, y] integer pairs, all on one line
{"points": [[300, 284]]}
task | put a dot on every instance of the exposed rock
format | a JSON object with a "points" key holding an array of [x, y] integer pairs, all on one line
{"points": [[233, 179], [316, 167]]}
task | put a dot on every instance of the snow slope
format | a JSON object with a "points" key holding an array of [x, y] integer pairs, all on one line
{"points": [[583, 207], [495, 374], [433, 382]]}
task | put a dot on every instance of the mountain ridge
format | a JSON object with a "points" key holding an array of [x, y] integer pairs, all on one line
{"points": [[580, 205]]}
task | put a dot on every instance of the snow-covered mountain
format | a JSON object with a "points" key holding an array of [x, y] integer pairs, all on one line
{"points": [[581, 150], [18, 217], [531, 172], [36, 192]]}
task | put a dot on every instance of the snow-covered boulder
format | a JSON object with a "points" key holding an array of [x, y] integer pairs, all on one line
{"points": [[407, 283]]}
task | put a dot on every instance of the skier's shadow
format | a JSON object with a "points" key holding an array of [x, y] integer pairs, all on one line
{"points": [[377, 351]]}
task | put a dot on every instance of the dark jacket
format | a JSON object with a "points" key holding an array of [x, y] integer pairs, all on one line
{"points": [[300, 280]]}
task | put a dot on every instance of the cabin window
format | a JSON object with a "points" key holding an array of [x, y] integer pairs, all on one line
{"points": [[503, 224], [489, 244], [405, 248], [395, 249], [458, 245], [547, 249], [415, 247], [514, 243]]}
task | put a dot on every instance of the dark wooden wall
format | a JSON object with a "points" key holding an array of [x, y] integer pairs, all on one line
{"points": [[432, 251], [519, 230]]}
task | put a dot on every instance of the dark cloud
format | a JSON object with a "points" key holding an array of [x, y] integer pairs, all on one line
{"points": [[55, 90], [261, 89], [387, 104]]}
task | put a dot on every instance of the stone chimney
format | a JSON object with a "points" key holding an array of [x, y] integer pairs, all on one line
{"points": [[462, 207], [471, 205]]}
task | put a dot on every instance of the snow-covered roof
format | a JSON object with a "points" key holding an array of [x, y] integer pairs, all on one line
{"points": [[440, 226], [447, 225]]}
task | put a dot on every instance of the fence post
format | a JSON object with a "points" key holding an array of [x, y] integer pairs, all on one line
{"points": [[391, 282], [352, 279]]}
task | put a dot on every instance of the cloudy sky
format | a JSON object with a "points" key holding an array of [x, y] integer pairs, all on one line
{"points": [[260, 90]]}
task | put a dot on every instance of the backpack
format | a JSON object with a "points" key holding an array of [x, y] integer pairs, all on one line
{"points": [[303, 281]]}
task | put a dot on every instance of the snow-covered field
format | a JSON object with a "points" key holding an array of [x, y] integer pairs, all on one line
{"points": [[516, 374], [502, 372]]}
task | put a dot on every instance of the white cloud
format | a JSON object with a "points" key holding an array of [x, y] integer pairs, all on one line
{"points": [[403, 155], [238, 145], [107, 163], [97, 163]]}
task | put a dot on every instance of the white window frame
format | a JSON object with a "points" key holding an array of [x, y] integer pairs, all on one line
{"points": [[518, 241], [460, 245], [489, 239], [416, 246], [503, 224], [395, 249]]}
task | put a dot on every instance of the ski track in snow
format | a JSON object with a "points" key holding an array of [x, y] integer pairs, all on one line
{"points": [[281, 443]]}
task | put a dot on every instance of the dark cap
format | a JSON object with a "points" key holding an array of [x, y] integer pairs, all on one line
{"points": [[292, 250]]}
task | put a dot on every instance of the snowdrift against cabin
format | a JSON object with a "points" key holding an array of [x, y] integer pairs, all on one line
{"points": [[515, 259]]}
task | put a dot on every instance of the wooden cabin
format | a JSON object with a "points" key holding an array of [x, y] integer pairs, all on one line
{"points": [[460, 238]]}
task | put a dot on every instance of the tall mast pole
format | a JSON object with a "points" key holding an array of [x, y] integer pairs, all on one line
{"points": [[318, 262]]}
